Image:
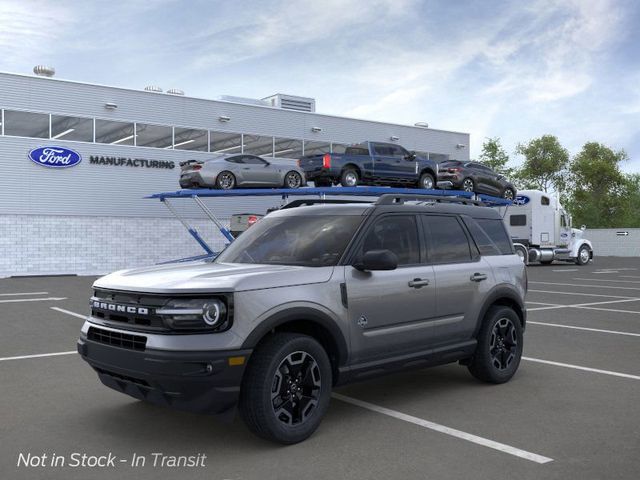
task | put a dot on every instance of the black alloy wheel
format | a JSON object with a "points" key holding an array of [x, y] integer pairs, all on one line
{"points": [[296, 388], [508, 194], [504, 343]]}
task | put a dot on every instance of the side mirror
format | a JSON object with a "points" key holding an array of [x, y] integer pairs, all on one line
{"points": [[377, 260], [411, 156], [583, 228]]}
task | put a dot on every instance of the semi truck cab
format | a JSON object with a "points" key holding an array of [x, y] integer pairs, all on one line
{"points": [[541, 230]]}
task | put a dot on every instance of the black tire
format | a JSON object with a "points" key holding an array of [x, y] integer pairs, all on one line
{"points": [[468, 185], [509, 194], [324, 182], [426, 182], [266, 372], [292, 180], [499, 347], [584, 255], [349, 178], [225, 180]]}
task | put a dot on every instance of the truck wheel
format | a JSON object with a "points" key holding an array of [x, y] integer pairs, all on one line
{"points": [[225, 180], [468, 185], [426, 181], [286, 388], [349, 178], [499, 347], [292, 180], [583, 255]]}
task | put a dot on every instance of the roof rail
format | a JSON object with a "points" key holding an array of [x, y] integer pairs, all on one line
{"points": [[390, 199], [320, 201]]}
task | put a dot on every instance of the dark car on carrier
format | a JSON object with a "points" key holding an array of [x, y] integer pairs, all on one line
{"points": [[475, 177]]}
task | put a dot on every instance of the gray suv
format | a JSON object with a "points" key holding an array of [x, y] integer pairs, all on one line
{"points": [[310, 298]]}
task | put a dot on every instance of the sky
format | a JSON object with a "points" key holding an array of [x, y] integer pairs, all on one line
{"points": [[509, 69]]}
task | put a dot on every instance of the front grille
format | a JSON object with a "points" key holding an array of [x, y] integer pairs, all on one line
{"points": [[142, 315], [117, 339]]}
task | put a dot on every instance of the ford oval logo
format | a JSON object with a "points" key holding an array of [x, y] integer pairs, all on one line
{"points": [[55, 157], [521, 200]]}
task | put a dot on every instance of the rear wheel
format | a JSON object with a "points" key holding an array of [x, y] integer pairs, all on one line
{"points": [[293, 179], [499, 347], [286, 389], [349, 178], [508, 194], [225, 180], [584, 255], [468, 185], [426, 181]]}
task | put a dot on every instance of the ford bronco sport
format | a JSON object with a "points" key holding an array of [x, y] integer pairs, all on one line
{"points": [[310, 298]]}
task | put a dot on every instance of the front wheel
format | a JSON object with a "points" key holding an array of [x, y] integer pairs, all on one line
{"points": [[468, 185], [508, 194], [584, 255], [293, 180], [426, 181], [225, 180], [286, 389], [499, 347]]}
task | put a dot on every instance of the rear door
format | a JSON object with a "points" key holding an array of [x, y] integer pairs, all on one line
{"points": [[390, 312], [462, 277]]}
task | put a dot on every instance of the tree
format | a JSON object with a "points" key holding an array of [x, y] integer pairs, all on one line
{"points": [[545, 164], [495, 157], [599, 192]]}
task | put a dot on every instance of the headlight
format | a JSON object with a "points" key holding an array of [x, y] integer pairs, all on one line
{"points": [[196, 314]]}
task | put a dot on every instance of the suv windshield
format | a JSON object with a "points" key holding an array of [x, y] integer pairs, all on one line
{"points": [[310, 241]]}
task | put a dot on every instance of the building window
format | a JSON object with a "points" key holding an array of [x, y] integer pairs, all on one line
{"points": [[115, 133], [338, 147], [257, 145], [222, 142], [287, 148], [157, 136], [71, 128], [26, 124], [316, 148], [190, 139]]}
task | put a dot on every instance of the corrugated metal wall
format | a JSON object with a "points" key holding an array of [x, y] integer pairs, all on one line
{"points": [[615, 242]]}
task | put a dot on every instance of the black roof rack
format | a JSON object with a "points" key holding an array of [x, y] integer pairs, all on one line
{"points": [[320, 201], [390, 199]]}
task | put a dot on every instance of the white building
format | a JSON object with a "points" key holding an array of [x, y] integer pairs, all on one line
{"points": [[92, 217]]}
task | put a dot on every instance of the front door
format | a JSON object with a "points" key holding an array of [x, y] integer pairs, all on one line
{"points": [[390, 312]]}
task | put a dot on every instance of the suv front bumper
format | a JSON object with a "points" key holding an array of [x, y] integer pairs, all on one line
{"points": [[199, 382]]}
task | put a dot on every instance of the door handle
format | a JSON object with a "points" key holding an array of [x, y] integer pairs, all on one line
{"points": [[418, 283], [478, 277], [246, 168]]}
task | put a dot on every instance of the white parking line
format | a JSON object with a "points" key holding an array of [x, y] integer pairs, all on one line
{"points": [[612, 281], [567, 270], [485, 442], [578, 367], [609, 309], [73, 314], [598, 330], [586, 305], [581, 294], [629, 276], [22, 293], [541, 303], [22, 357], [587, 286], [48, 299]]}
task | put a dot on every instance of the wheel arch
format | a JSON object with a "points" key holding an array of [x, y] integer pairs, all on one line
{"points": [[430, 171], [503, 296], [354, 167], [307, 321]]}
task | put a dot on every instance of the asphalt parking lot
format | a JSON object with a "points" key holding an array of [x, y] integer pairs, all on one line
{"points": [[572, 410]]}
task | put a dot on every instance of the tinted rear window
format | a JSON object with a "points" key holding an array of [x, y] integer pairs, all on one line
{"points": [[357, 151], [495, 230], [448, 241]]}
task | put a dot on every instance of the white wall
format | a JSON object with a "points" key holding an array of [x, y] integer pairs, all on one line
{"points": [[607, 242]]}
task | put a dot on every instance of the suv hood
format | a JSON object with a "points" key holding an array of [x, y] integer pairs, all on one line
{"points": [[201, 277]]}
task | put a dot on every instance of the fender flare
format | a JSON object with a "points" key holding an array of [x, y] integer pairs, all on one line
{"points": [[500, 292], [298, 313], [578, 244]]}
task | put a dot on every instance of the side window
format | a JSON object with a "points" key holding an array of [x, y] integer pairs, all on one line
{"points": [[238, 159], [397, 151], [398, 233], [485, 245], [381, 149], [253, 160], [545, 201], [449, 243], [518, 220], [494, 228]]}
